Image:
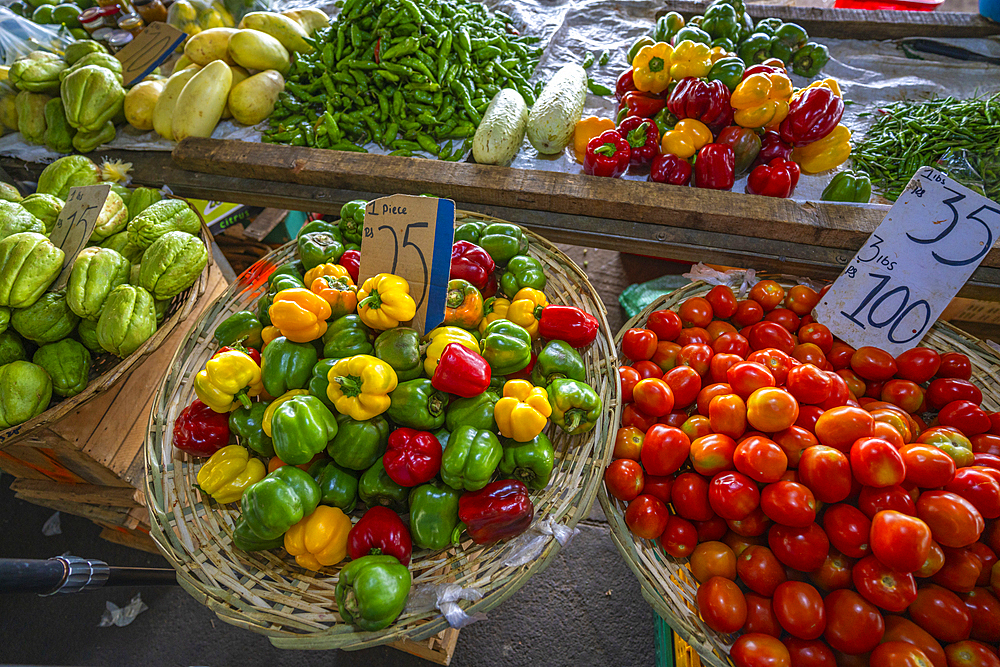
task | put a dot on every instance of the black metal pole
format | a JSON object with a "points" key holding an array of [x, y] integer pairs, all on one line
{"points": [[141, 576], [22, 575]]}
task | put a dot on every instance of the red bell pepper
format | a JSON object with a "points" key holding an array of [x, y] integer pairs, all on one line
{"points": [[811, 116], [745, 144], [472, 263], [461, 371], [707, 101], [715, 167], [644, 105], [249, 351], [643, 139], [566, 323], [624, 84], [380, 532], [351, 260], [498, 511], [608, 154], [412, 457], [777, 179], [668, 168], [769, 66], [771, 146], [201, 431]]}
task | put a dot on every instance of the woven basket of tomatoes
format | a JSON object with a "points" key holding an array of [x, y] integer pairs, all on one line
{"points": [[786, 499], [322, 474]]}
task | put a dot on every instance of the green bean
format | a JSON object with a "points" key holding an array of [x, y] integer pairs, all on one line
{"points": [[598, 89], [588, 61]]}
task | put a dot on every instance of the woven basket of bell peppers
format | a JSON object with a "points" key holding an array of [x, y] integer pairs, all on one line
{"points": [[326, 494], [144, 270], [786, 499]]}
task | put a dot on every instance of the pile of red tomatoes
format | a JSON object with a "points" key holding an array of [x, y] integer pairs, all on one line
{"points": [[823, 517]]}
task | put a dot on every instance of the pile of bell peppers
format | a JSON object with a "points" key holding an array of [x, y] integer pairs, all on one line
{"points": [[343, 433], [708, 100]]}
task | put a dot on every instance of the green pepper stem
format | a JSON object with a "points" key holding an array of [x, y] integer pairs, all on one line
{"points": [[606, 149], [350, 385], [242, 397], [373, 300], [454, 298], [656, 64], [572, 419]]}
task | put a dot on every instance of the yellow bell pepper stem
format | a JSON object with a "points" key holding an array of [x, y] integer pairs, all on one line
{"points": [[273, 405], [360, 385], [585, 130], [522, 309], [651, 68], [384, 301], [229, 472], [440, 338], [299, 314], [690, 59], [332, 270], [827, 153], [761, 99], [320, 539], [496, 309], [523, 411], [686, 138], [229, 379]]}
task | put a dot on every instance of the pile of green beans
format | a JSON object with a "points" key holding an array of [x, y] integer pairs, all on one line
{"points": [[909, 135], [408, 75]]}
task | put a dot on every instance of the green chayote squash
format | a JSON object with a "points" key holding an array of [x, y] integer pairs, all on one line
{"points": [[59, 133], [128, 319], [31, 115], [93, 96], [169, 215], [86, 142], [121, 190], [25, 392], [105, 60], [4, 318], [36, 76], [67, 172], [162, 306], [47, 320], [68, 364], [172, 264], [133, 276], [11, 347], [81, 48], [142, 198], [120, 244], [111, 220], [44, 207], [86, 331], [29, 263], [9, 193], [14, 218], [96, 271]]}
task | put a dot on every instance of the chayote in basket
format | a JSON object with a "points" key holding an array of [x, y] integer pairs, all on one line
{"points": [[128, 319], [25, 392], [67, 172], [44, 207], [112, 218], [77, 50], [142, 198], [119, 242], [86, 331], [47, 320], [4, 318], [11, 348], [172, 264], [168, 215], [29, 263], [68, 364], [95, 273], [105, 60], [14, 218], [85, 142]]}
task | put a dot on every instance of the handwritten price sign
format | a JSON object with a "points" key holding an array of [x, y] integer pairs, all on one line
{"points": [[898, 284], [148, 51], [76, 223]]}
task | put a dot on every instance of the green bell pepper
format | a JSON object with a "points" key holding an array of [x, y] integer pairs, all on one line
{"points": [[470, 459], [667, 26], [352, 220], [286, 365], [792, 35], [273, 505], [530, 462], [575, 405], [503, 241], [417, 404], [755, 49], [242, 327], [400, 348], [506, 347], [769, 26], [665, 121], [324, 226], [637, 46], [320, 380], [345, 337], [849, 186], [263, 304], [434, 515], [359, 444], [68, 364], [284, 281], [693, 33], [810, 59], [11, 348], [372, 591], [293, 268], [377, 488], [522, 271], [443, 435], [25, 392], [302, 427], [780, 50], [470, 231], [476, 411], [728, 45], [721, 22], [248, 425], [338, 486], [729, 71], [317, 248], [244, 539], [557, 360]]}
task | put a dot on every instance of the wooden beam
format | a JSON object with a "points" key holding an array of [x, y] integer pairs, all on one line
{"points": [[265, 222]]}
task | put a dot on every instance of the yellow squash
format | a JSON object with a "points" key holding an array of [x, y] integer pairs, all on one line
{"points": [[253, 99], [140, 102], [286, 30], [209, 45], [200, 104], [163, 112], [258, 50]]}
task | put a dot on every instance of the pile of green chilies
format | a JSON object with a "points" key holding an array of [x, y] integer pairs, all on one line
{"points": [[909, 135], [408, 75]]}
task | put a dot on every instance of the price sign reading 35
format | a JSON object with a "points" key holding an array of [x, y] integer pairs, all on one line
{"points": [[895, 288]]}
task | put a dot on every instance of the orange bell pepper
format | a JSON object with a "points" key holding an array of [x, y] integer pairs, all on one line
{"points": [[339, 292], [585, 130], [332, 270], [761, 99], [300, 314], [463, 305]]}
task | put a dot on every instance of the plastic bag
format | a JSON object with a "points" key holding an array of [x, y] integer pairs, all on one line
{"points": [[122, 616], [20, 36], [52, 526], [529, 545], [445, 597], [193, 16]]}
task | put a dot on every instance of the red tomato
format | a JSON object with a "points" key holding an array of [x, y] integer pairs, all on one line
{"points": [[758, 568], [801, 548], [712, 454], [793, 440], [647, 369], [942, 391], [817, 334], [788, 503], [808, 416], [722, 300], [951, 441], [834, 573], [880, 585], [954, 365], [689, 497], [853, 625], [718, 327], [747, 312], [708, 392], [899, 629], [739, 543], [848, 529], [801, 299], [747, 376], [636, 418], [927, 466], [934, 562], [840, 393], [840, 427], [698, 356], [873, 363], [900, 541], [685, 382], [653, 396], [775, 361], [664, 450], [965, 416], [960, 572], [752, 525], [666, 324], [733, 495], [827, 473], [768, 294], [722, 605], [624, 479], [984, 610], [918, 364], [665, 356], [788, 320], [987, 557], [628, 377], [639, 344], [941, 613], [731, 343], [873, 500], [887, 432], [898, 654], [647, 517], [805, 653], [695, 311], [771, 409], [756, 649], [876, 463], [696, 426], [679, 538], [761, 459], [808, 384], [760, 616], [628, 443], [854, 383], [995, 423], [694, 336], [970, 653], [953, 520], [713, 529], [980, 488], [840, 355], [713, 559], [807, 353], [986, 443], [904, 393], [799, 608], [658, 486], [720, 365]]}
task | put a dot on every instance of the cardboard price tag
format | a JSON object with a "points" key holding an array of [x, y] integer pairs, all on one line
{"points": [[148, 51], [411, 237], [75, 225], [926, 248]]}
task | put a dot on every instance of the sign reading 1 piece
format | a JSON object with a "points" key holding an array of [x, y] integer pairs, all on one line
{"points": [[895, 288], [411, 237]]}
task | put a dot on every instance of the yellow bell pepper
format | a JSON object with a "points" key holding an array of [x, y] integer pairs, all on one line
{"points": [[522, 309], [228, 472], [269, 333], [384, 301], [686, 138], [320, 539], [523, 411], [761, 99], [823, 83], [299, 314], [495, 309], [585, 130], [440, 338], [339, 293], [827, 153], [332, 270], [273, 405], [651, 68], [360, 385], [690, 59], [229, 379], [718, 53]]}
